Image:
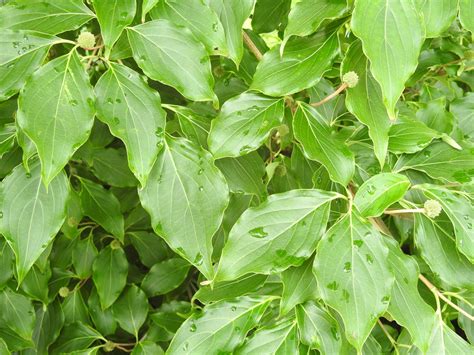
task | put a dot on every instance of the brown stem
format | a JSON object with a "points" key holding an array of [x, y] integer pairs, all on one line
{"points": [[439, 294], [408, 210], [252, 47], [331, 96]]}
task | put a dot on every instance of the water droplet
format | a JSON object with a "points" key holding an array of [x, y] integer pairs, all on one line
{"points": [[265, 123], [469, 226], [371, 189], [237, 329], [427, 153], [110, 100], [123, 15], [1, 214], [116, 120], [215, 26], [73, 102], [198, 260], [192, 328], [331, 238], [333, 285], [281, 253], [466, 217], [335, 333], [11, 65], [369, 258], [142, 58], [200, 171], [253, 108], [185, 346], [239, 113], [28, 175], [258, 232], [201, 188], [118, 101], [405, 279], [385, 299], [159, 131], [358, 243], [246, 132], [15, 44], [368, 234], [303, 223], [203, 60], [233, 308], [245, 149], [345, 295], [347, 266]]}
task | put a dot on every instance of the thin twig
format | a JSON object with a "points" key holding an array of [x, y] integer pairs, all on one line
{"points": [[439, 294], [407, 210], [389, 337], [331, 96], [252, 47]]}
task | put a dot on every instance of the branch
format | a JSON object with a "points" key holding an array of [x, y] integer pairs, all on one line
{"points": [[331, 96], [408, 210], [251, 46], [439, 294]]}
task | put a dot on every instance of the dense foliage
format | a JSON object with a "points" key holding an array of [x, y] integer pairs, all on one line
{"points": [[236, 176]]}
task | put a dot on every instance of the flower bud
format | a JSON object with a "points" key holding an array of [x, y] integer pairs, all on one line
{"points": [[63, 292], [432, 208], [115, 244], [350, 78], [86, 40]]}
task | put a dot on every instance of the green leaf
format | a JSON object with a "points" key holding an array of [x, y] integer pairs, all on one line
{"points": [[410, 136], [383, 27], [466, 14], [244, 174], [7, 138], [185, 186], [17, 313], [133, 113], [151, 249], [463, 111], [110, 166], [318, 328], [109, 273], [319, 144], [171, 315], [158, 43], [147, 348], [357, 284], [268, 15], [165, 276], [407, 306], [365, 100], [47, 16], [243, 124], [77, 336], [307, 15], [49, 322], [274, 236], [279, 339], [23, 52], [195, 126], [230, 289], [435, 240], [74, 308], [131, 310], [440, 161], [380, 192], [6, 263], [435, 116], [301, 66], [220, 326], [299, 286], [103, 320], [4, 348], [35, 284], [147, 5], [232, 14], [13, 340], [31, 215], [102, 207], [83, 257], [460, 212], [113, 19], [206, 27], [56, 92], [437, 15]]}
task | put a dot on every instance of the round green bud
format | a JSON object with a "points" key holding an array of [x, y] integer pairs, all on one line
{"points": [[63, 292], [350, 78], [86, 40], [432, 208], [109, 346], [115, 244]]}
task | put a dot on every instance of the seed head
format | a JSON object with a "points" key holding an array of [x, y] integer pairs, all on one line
{"points": [[432, 208], [115, 244], [350, 78], [63, 292], [86, 40]]}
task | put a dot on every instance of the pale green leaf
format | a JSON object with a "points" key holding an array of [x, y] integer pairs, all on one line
{"points": [[279, 339], [56, 111], [243, 124], [171, 54], [407, 306], [435, 115], [31, 215], [109, 273], [318, 328], [301, 66], [147, 347], [379, 192], [460, 212], [440, 161], [435, 240], [282, 232], [147, 5], [437, 15], [113, 18], [232, 14], [220, 326], [384, 27], [410, 136], [102, 206], [83, 257], [74, 308], [49, 322], [131, 310], [132, 110], [110, 165], [206, 27], [299, 286], [194, 125], [77, 336], [47, 16], [466, 14], [319, 144], [269, 15], [185, 186], [463, 111], [307, 15], [444, 340], [103, 319], [165, 276], [35, 284], [357, 283], [17, 313], [151, 249], [365, 100]]}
